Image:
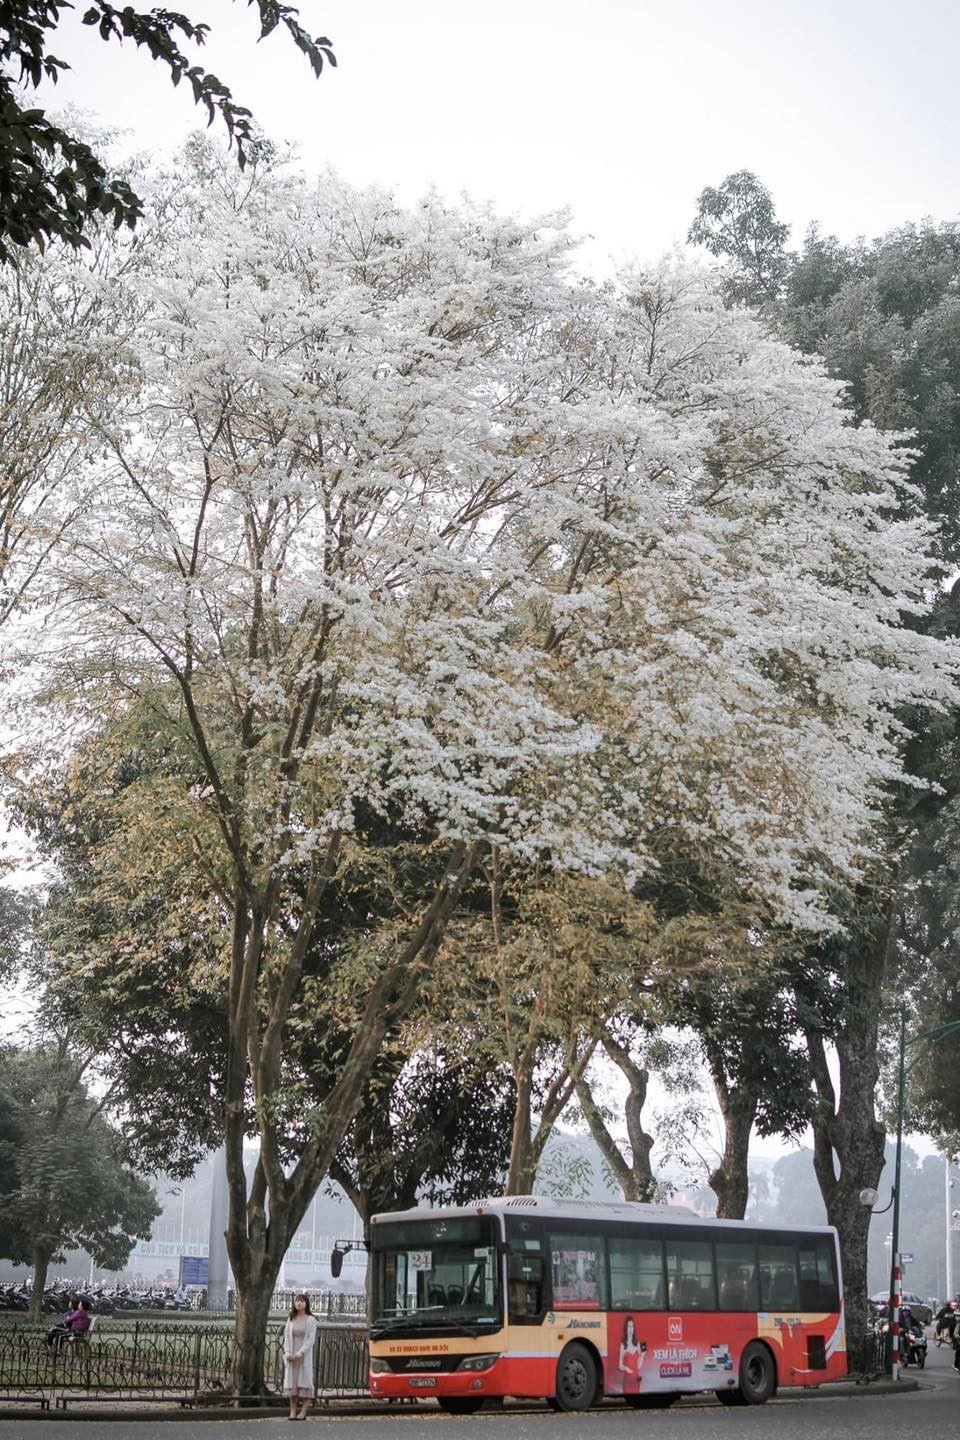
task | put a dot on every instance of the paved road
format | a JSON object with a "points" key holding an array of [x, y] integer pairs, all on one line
{"points": [[932, 1410]]}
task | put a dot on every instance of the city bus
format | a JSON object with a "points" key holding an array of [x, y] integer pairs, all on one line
{"points": [[572, 1301]]}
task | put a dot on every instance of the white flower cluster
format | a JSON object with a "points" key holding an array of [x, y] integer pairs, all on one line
{"points": [[416, 521]]}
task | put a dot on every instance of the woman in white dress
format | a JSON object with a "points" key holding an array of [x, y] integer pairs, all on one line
{"points": [[299, 1333]]}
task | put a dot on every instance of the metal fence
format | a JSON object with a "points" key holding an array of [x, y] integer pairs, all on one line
{"points": [[874, 1358], [331, 1304], [158, 1360]]}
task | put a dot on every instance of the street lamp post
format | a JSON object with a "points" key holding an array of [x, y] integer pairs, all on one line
{"points": [[893, 1325], [948, 1220], [927, 1040]]}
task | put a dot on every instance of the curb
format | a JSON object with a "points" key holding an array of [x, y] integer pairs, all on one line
{"points": [[188, 1414], [849, 1390], [846, 1390], [185, 1416]]}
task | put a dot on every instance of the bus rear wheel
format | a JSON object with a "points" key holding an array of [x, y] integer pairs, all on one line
{"points": [[459, 1404], [576, 1378], [758, 1378]]}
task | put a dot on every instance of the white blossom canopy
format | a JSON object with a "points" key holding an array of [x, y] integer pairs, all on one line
{"points": [[398, 512]]}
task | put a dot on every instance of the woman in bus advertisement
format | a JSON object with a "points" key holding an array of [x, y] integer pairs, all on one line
{"points": [[629, 1359]]}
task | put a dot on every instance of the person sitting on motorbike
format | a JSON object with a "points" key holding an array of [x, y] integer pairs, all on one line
{"points": [[75, 1324], [946, 1319], [910, 1328]]}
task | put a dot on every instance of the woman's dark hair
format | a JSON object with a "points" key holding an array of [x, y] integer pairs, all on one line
{"points": [[629, 1321], [83, 1303], [293, 1305]]}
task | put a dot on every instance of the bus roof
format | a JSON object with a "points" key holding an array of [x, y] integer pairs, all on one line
{"points": [[546, 1206]]}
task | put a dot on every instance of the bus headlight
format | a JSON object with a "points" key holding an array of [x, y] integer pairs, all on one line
{"points": [[477, 1362], [379, 1367]]}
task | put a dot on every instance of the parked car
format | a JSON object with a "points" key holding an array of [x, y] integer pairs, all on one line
{"points": [[917, 1304]]}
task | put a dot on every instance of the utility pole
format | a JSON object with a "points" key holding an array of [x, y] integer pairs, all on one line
{"points": [[951, 1222]]}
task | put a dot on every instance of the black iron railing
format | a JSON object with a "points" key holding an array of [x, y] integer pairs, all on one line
{"points": [[329, 1303], [324, 1303], [874, 1358], [159, 1360]]}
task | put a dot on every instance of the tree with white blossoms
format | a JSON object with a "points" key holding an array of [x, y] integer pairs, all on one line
{"points": [[399, 516], [61, 343]]}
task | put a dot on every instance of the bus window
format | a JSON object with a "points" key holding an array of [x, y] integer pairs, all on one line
{"points": [[778, 1277], [737, 1276], [578, 1271], [690, 1275], [636, 1274], [393, 1294], [818, 1281], [524, 1287]]}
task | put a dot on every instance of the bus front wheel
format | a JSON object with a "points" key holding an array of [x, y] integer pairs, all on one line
{"points": [[576, 1378], [758, 1378]]}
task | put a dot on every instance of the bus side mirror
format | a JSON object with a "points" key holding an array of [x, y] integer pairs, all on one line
{"points": [[336, 1263]]}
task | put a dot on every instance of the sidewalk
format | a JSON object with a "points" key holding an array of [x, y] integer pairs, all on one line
{"points": [[163, 1410]]}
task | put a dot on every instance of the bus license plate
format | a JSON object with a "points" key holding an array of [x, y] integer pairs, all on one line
{"points": [[423, 1382]]}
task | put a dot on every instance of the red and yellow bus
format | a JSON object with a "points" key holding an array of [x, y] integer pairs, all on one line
{"points": [[573, 1301]]}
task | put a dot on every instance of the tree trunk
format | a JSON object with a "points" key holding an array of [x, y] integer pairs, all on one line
{"points": [[41, 1263], [522, 1170], [848, 1137], [634, 1176], [263, 1220], [642, 1184], [730, 1181], [250, 1331], [848, 1132], [256, 1245], [526, 1148], [853, 1225]]}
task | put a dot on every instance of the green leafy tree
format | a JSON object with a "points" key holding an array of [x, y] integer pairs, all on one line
{"points": [[438, 1124], [65, 1183], [722, 969], [16, 910], [52, 181], [746, 1023], [927, 931], [545, 965], [884, 316], [736, 220], [934, 1100], [10, 1175]]}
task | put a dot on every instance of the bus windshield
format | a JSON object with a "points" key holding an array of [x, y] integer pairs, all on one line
{"points": [[437, 1274]]}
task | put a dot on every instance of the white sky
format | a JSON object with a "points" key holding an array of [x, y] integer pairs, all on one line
{"points": [[622, 109]]}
